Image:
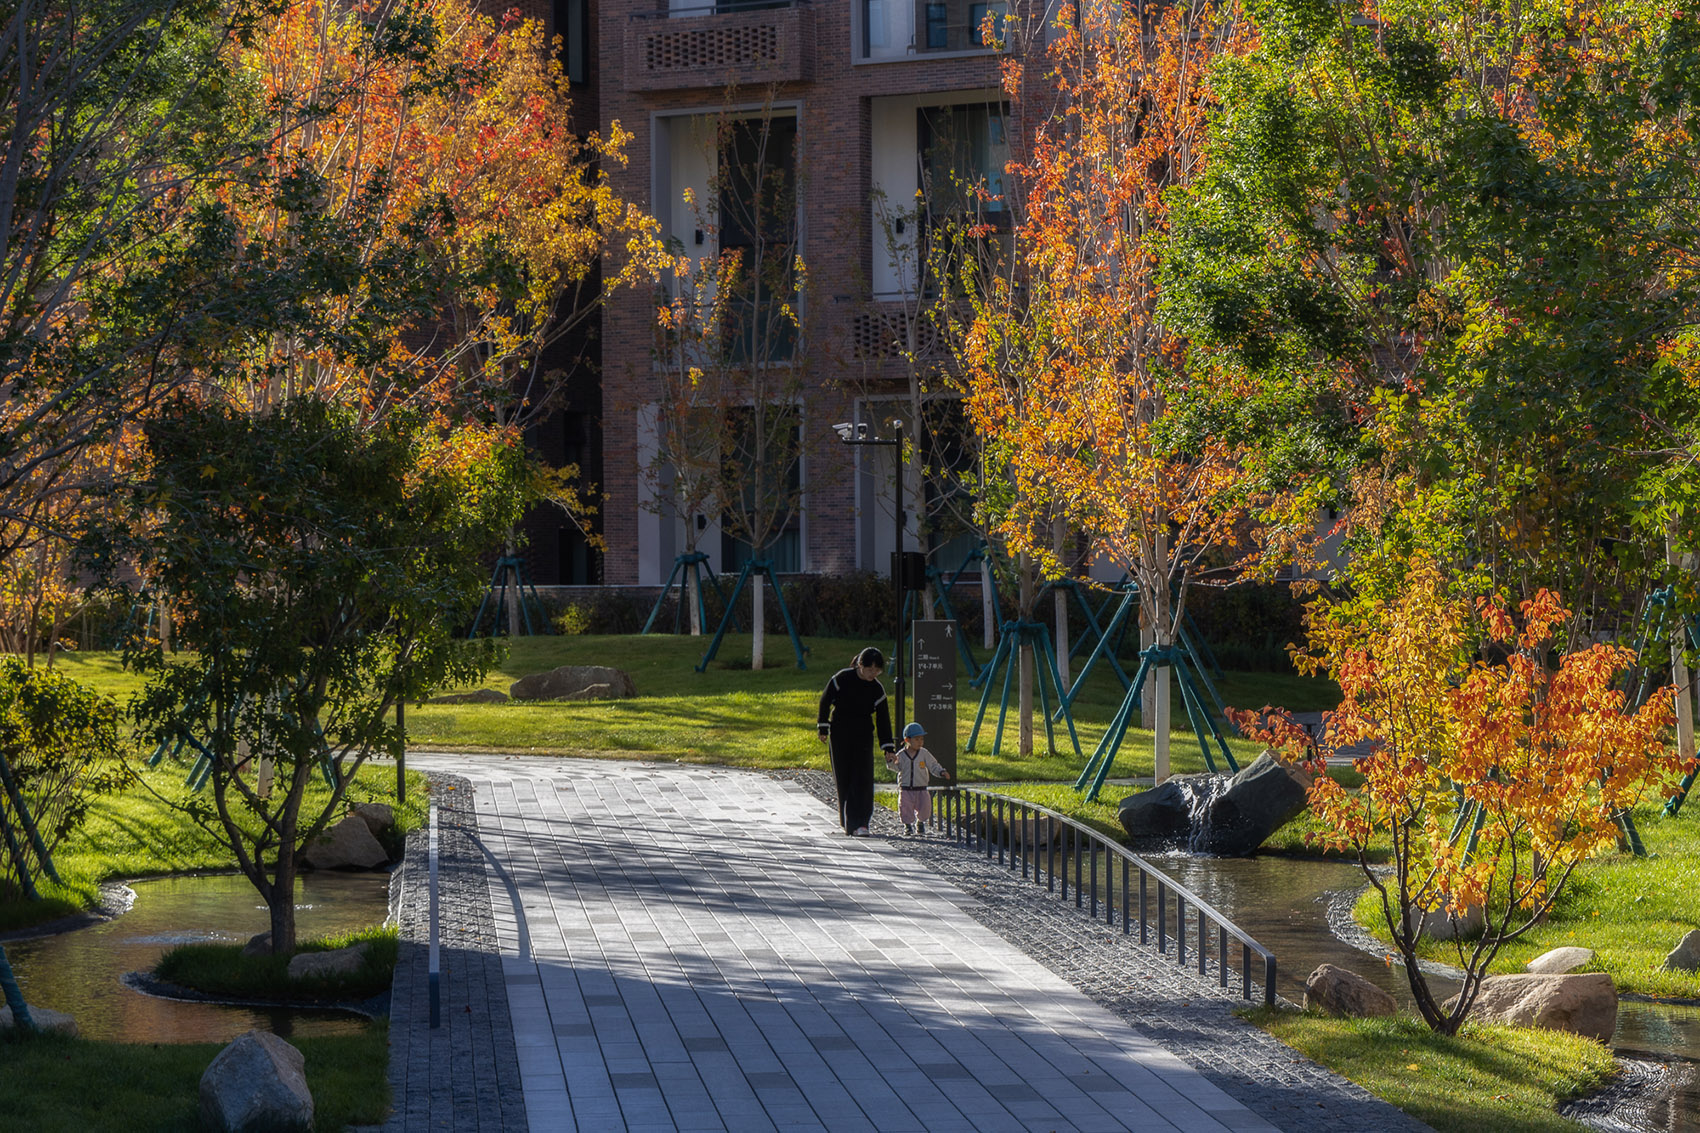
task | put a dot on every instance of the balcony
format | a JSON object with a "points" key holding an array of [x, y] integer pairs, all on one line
{"points": [[889, 30], [750, 44]]}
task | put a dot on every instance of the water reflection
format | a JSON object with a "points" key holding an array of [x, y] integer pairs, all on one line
{"points": [[78, 972]]}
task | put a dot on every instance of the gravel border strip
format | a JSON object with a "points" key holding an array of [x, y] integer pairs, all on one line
{"points": [[465, 1074]]}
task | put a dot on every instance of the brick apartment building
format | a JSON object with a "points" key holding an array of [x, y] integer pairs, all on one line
{"points": [[855, 89]]}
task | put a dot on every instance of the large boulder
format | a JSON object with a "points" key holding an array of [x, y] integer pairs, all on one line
{"points": [[44, 1018], [1258, 801], [347, 845], [476, 696], [320, 965], [1559, 961], [1685, 957], [1584, 1004], [378, 817], [574, 682], [1336, 991], [1451, 924], [258, 1082], [1166, 810], [260, 944]]}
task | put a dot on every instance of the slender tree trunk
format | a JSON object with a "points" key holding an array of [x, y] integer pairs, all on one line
{"points": [[516, 599], [758, 621], [1058, 535], [988, 611], [693, 596], [1025, 660], [1679, 674]]}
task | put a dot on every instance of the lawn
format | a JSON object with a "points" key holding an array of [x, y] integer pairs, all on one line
{"points": [[77, 1085], [1486, 1080], [1630, 911]]}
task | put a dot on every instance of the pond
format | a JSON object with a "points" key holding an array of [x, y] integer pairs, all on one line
{"points": [[80, 972], [1293, 907]]}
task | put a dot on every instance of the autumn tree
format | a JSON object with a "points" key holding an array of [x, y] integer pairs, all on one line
{"points": [[1490, 780], [1084, 392], [319, 567]]}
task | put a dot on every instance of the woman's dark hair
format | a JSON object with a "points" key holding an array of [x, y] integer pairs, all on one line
{"points": [[870, 657]]}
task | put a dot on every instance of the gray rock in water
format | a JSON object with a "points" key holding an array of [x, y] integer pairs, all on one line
{"points": [[1166, 810], [257, 1082], [347, 845], [1258, 801], [574, 682], [1336, 991], [44, 1018], [477, 696], [1583, 1004], [1685, 957], [337, 962], [1559, 961], [1451, 924]]}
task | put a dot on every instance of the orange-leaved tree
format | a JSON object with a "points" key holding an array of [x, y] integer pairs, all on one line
{"points": [[1071, 374], [1491, 780], [435, 147]]}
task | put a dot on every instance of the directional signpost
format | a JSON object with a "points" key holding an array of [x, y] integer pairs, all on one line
{"points": [[935, 688]]}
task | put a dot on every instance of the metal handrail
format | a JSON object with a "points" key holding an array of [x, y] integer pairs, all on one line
{"points": [[728, 8], [966, 812]]}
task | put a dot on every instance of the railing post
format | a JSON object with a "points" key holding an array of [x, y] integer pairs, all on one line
{"points": [[1078, 872], [433, 966], [1127, 925], [1094, 879], [1026, 841], [1144, 916], [1269, 980], [1203, 942], [1222, 952], [1162, 918], [1180, 930], [1245, 971]]}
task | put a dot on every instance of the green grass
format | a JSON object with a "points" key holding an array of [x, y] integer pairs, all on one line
{"points": [[732, 716], [221, 969], [77, 1085], [1485, 1080], [137, 833], [1630, 911]]}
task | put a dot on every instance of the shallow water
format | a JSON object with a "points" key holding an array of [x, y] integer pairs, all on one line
{"points": [[79, 972], [1284, 904]]}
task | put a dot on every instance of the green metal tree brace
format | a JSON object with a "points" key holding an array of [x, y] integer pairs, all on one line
{"points": [[1016, 634], [754, 566], [1097, 768], [686, 569]]}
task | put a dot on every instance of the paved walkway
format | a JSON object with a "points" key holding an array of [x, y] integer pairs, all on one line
{"points": [[689, 948]]}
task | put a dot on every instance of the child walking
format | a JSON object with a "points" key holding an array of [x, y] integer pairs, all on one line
{"points": [[914, 764]]}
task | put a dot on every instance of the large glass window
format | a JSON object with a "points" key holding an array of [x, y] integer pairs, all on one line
{"points": [[757, 208], [897, 29], [963, 154], [762, 457]]}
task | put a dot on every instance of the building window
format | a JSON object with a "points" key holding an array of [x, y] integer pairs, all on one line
{"points": [[762, 456], [963, 155], [572, 24], [756, 193]]}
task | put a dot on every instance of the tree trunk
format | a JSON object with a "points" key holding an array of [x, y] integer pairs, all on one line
{"points": [[693, 596], [758, 621], [513, 605], [987, 608], [1059, 533], [1679, 674], [1025, 661]]}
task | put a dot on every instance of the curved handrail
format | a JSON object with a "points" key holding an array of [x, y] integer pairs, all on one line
{"points": [[958, 819]]}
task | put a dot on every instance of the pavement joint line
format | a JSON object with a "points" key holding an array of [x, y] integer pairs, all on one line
{"points": [[651, 913]]}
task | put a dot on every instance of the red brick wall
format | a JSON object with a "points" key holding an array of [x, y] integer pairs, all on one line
{"points": [[834, 165]]}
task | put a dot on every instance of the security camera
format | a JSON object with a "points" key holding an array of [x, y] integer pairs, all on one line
{"points": [[844, 430]]}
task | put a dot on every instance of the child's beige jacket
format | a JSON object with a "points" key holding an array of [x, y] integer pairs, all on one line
{"points": [[913, 766]]}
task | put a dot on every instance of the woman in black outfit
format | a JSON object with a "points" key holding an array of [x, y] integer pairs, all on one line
{"points": [[849, 706]]}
